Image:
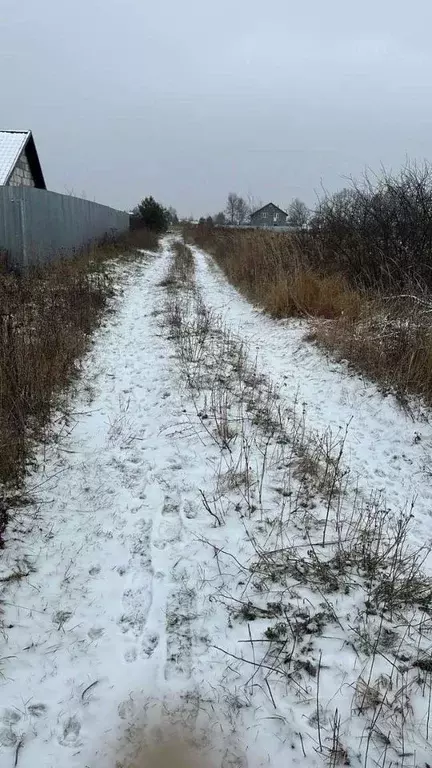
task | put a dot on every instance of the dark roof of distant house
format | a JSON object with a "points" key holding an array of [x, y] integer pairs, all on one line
{"points": [[266, 206], [12, 143]]}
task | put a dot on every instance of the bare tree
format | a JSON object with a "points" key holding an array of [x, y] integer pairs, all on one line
{"points": [[254, 203], [298, 213], [231, 207], [242, 210], [237, 209], [172, 215]]}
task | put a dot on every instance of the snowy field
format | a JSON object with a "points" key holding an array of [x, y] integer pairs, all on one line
{"points": [[181, 564]]}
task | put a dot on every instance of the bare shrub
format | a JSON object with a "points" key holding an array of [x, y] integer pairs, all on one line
{"points": [[378, 232]]}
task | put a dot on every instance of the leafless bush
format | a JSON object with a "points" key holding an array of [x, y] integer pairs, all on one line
{"points": [[378, 232]]}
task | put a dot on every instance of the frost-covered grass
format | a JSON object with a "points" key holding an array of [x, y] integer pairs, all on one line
{"points": [[390, 341], [330, 604]]}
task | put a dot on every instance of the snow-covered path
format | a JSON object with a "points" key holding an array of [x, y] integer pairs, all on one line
{"points": [[388, 449], [120, 587], [87, 648]]}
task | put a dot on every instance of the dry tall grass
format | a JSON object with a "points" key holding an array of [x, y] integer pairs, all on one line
{"points": [[388, 337], [275, 272], [46, 318], [141, 238], [390, 341]]}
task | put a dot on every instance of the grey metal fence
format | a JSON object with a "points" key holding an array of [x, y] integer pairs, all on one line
{"points": [[37, 226]]}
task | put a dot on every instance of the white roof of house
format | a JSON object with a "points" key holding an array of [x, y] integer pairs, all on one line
{"points": [[11, 146]]}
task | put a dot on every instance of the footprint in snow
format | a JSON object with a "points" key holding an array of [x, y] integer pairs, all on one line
{"points": [[140, 542], [95, 632], [169, 533], [137, 604], [37, 710], [180, 614], [126, 709], [70, 731], [10, 717], [135, 459], [149, 645], [130, 655], [160, 575], [170, 507], [8, 737], [190, 510]]}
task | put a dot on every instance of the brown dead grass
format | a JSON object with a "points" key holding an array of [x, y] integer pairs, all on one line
{"points": [[141, 238], [46, 319], [306, 293], [274, 272], [387, 338], [393, 348]]}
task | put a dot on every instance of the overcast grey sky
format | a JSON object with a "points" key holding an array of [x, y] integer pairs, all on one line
{"points": [[187, 100]]}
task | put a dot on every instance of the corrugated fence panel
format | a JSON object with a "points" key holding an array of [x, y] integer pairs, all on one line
{"points": [[38, 226]]}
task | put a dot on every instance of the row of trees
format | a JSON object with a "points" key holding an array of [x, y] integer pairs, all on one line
{"points": [[154, 216]]}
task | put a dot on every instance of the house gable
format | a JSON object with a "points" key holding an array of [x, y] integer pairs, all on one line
{"points": [[269, 215], [21, 175], [19, 161]]}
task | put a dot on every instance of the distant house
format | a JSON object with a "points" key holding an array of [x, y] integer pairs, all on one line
{"points": [[269, 216], [19, 161]]}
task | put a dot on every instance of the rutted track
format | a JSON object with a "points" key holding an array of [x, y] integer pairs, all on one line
{"points": [[156, 595]]}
